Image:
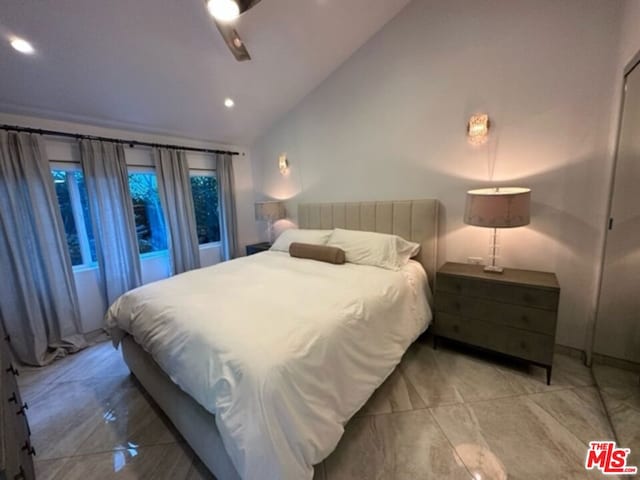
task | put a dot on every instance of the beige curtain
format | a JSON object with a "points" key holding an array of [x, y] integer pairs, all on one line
{"points": [[174, 188], [38, 301], [227, 201], [114, 226]]}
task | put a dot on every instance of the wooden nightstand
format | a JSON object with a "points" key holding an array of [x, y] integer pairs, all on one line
{"points": [[513, 313], [258, 247]]}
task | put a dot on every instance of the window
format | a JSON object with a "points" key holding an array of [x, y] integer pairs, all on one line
{"points": [[74, 208], [204, 188], [150, 228], [151, 231]]}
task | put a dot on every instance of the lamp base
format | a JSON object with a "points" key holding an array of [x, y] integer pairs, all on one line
{"points": [[493, 269]]}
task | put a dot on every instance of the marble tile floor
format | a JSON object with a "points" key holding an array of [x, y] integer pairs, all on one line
{"points": [[442, 414], [620, 391]]}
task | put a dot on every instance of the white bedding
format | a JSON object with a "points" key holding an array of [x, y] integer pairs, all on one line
{"points": [[282, 350]]}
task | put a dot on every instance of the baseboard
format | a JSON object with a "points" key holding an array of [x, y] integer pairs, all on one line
{"points": [[616, 362], [571, 352]]}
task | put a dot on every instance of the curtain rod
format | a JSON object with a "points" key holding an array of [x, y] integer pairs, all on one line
{"points": [[131, 143]]}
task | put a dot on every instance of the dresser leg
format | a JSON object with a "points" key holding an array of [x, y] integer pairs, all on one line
{"points": [[549, 375], [435, 342]]}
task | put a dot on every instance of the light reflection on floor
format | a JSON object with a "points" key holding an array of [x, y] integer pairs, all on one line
{"points": [[121, 457]]}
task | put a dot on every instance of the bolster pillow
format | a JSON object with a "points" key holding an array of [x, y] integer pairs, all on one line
{"points": [[322, 253]]}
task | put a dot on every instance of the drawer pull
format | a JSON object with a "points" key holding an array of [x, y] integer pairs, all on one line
{"points": [[456, 305], [13, 370], [456, 328], [13, 398], [525, 319], [523, 345], [20, 475], [23, 409], [29, 448], [8, 340]]}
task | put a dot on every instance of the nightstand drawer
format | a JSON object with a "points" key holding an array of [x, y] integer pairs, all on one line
{"points": [[511, 341], [474, 332], [527, 318], [501, 292], [531, 346]]}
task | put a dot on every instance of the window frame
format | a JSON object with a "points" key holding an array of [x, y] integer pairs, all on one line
{"points": [[207, 172]]}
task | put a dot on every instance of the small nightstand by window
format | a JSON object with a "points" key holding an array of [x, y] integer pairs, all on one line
{"points": [[258, 247]]}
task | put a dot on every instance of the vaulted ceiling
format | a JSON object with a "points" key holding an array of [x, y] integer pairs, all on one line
{"points": [[162, 66]]}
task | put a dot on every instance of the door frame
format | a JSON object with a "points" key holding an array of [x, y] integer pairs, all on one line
{"points": [[631, 66]]}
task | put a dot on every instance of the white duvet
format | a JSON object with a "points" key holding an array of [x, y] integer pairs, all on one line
{"points": [[283, 351]]}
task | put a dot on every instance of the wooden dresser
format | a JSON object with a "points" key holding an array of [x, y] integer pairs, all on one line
{"points": [[514, 313], [16, 451]]}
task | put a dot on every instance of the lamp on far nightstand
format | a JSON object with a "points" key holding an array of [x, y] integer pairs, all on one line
{"points": [[270, 212], [499, 207]]}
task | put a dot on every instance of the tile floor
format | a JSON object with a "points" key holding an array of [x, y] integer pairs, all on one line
{"points": [[443, 414], [620, 390]]}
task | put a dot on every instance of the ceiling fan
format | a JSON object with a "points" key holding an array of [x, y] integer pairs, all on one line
{"points": [[224, 13]]}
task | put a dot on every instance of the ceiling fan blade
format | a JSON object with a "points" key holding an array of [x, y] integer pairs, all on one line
{"points": [[233, 41], [230, 34], [246, 4]]}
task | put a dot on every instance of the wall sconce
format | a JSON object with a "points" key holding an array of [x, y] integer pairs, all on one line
{"points": [[283, 164], [478, 129]]}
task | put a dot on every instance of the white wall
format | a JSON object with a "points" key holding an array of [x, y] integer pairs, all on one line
{"points": [[390, 124], [154, 266], [630, 33]]}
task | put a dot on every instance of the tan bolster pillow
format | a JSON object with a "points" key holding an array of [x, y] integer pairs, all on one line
{"points": [[322, 253]]}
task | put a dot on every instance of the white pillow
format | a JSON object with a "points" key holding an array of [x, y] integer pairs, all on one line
{"points": [[286, 238], [377, 249]]}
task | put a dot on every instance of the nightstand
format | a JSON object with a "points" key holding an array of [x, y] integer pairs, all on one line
{"points": [[258, 247], [513, 313]]}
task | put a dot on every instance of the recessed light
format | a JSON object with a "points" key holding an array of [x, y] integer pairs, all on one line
{"points": [[229, 103], [223, 10], [22, 46]]}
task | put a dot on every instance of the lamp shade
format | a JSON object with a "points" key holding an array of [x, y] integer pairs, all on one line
{"points": [[498, 207], [270, 210]]}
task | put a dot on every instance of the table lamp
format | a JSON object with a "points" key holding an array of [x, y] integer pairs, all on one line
{"points": [[270, 212], [499, 207]]}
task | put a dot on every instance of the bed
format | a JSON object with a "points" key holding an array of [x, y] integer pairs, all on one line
{"points": [[260, 362]]}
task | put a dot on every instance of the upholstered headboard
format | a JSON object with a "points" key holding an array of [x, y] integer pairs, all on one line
{"points": [[415, 220]]}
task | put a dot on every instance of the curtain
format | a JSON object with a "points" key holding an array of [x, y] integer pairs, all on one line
{"points": [[227, 201], [111, 208], [38, 300], [174, 188]]}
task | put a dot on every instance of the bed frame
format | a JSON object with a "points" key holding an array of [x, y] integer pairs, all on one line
{"points": [[415, 220]]}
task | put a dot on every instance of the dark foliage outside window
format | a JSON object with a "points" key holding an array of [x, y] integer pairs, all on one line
{"points": [[205, 200], [72, 201], [150, 228], [84, 204], [68, 220]]}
